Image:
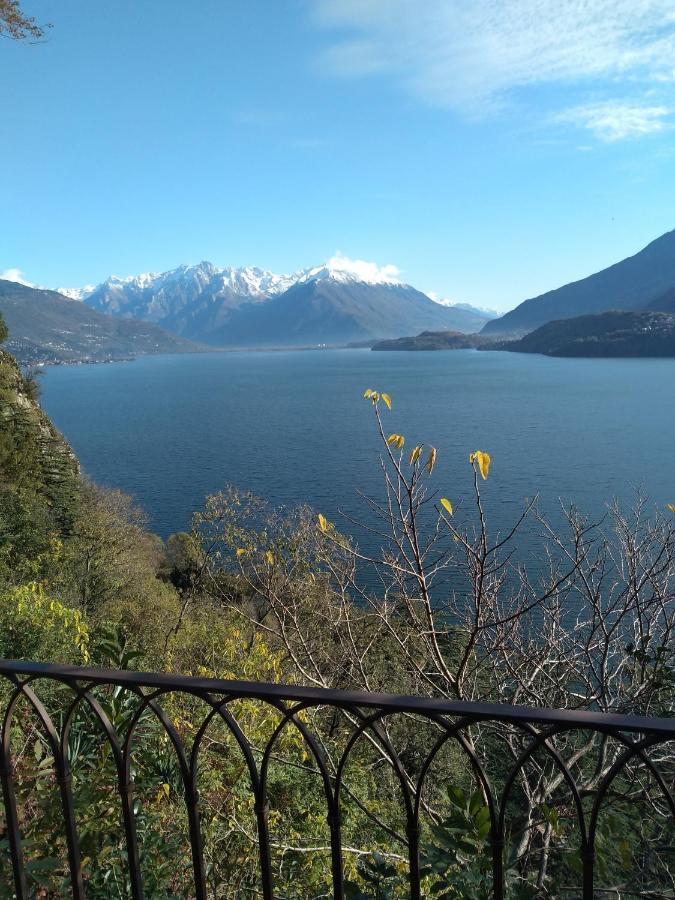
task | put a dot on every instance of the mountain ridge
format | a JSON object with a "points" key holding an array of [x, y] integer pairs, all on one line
{"points": [[632, 283]]}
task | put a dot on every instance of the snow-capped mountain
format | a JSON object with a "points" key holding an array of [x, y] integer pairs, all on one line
{"points": [[343, 270], [219, 306]]}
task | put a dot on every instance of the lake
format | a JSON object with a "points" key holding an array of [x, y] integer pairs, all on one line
{"points": [[293, 427]]}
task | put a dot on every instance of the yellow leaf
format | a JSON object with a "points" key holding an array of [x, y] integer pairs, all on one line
{"points": [[415, 454], [368, 394], [671, 507], [446, 504], [240, 551], [431, 460], [400, 442], [387, 400], [323, 522], [483, 459], [269, 556], [393, 438]]}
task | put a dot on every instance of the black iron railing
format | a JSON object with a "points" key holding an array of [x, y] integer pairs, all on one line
{"points": [[30, 688]]}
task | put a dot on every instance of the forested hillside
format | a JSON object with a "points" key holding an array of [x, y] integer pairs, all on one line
{"points": [[45, 326]]}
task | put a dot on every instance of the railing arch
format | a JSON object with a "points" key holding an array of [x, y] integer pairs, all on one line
{"points": [[362, 714]]}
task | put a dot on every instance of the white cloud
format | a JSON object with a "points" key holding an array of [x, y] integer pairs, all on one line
{"points": [[15, 275], [364, 271], [473, 56], [616, 121]]}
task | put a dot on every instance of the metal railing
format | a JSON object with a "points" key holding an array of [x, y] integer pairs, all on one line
{"points": [[538, 730]]}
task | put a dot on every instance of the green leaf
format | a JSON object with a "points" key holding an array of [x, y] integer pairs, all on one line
{"points": [[457, 797]]}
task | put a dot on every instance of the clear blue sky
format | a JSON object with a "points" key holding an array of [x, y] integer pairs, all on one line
{"points": [[490, 150]]}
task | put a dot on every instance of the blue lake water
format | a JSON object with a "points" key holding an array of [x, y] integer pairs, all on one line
{"points": [[293, 427]]}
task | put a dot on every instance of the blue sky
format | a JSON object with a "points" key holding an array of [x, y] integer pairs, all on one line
{"points": [[490, 150]]}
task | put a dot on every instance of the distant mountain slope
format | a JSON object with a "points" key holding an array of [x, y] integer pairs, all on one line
{"points": [[244, 307], [634, 283], [609, 334], [45, 326], [664, 303], [327, 311]]}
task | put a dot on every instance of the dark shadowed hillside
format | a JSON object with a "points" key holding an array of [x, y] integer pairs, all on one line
{"points": [[435, 340], [607, 334]]}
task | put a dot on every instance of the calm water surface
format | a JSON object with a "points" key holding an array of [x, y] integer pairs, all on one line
{"points": [[292, 426]]}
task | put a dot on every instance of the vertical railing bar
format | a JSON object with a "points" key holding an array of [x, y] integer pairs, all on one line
{"points": [[11, 811], [264, 849], [13, 830]]}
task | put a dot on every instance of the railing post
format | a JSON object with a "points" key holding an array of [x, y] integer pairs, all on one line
{"points": [[64, 779], [127, 798], [333, 819], [497, 844], [264, 847], [588, 862], [413, 834], [13, 830], [192, 804]]}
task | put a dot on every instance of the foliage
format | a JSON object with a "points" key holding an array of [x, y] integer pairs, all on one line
{"points": [[34, 625], [14, 23]]}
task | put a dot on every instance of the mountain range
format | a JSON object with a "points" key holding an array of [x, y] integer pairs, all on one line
{"points": [[45, 326], [645, 281], [338, 302]]}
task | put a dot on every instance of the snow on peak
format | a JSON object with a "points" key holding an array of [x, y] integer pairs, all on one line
{"points": [[77, 293], [247, 281], [254, 282], [342, 268], [458, 304]]}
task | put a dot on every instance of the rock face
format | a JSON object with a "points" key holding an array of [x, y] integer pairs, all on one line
{"points": [[617, 334], [45, 326], [35, 459], [643, 281]]}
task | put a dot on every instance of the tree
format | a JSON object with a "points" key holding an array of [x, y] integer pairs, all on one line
{"points": [[108, 555], [15, 24], [3, 330]]}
